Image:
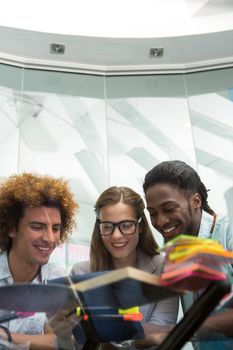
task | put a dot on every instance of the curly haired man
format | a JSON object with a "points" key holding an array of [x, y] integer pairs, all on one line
{"points": [[37, 213]]}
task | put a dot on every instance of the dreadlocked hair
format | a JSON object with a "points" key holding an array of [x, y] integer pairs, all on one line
{"points": [[181, 175]]}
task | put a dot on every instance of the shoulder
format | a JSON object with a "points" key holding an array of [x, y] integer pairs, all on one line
{"points": [[3, 256], [158, 263], [222, 220], [80, 267], [52, 271], [5, 273], [153, 264], [222, 227], [224, 232]]}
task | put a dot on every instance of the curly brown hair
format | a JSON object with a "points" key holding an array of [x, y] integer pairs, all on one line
{"points": [[20, 191]]}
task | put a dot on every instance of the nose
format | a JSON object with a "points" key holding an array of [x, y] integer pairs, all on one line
{"points": [[161, 220], [48, 235], [116, 232]]}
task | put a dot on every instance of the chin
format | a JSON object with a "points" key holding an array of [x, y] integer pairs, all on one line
{"points": [[43, 262], [121, 256]]}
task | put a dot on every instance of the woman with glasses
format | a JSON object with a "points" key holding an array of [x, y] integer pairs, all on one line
{"points": [[122, 237]]}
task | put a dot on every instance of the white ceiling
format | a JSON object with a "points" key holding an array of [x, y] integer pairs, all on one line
{"points": [[115, 36], [119, 18]]}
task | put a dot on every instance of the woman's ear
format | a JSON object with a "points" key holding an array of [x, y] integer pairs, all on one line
{"points": [[197, 202]]}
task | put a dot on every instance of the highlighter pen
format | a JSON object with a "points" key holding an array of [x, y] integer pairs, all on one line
{"points": [[131, 314], [80, 312], [126, 317]]}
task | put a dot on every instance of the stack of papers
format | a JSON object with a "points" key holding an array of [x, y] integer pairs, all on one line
{"points": [[192, 262]]}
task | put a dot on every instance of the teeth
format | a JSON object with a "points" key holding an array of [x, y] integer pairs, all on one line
{"points": [[119, 244], [169, 229], [44, 248]]}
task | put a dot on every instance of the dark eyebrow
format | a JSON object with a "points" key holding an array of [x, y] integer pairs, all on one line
{"points": [[36, 222], [43, 224], [117, 222], [170, 201]]}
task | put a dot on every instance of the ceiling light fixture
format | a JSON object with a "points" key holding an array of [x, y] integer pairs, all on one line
{"points": [[156, 51], [58, 49]]}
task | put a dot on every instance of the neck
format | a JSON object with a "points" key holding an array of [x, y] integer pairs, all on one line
{"points": [[20, 270], [124, 262]]}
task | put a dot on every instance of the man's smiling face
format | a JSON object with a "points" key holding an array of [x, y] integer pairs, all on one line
{"points": [[172, 211], [37, 235]]}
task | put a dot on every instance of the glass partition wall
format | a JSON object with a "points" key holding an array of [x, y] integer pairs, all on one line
{"points": [[98, 131]]}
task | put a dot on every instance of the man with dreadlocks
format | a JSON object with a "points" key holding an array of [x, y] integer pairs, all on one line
{"points": [[177, 203], [37, 213]]}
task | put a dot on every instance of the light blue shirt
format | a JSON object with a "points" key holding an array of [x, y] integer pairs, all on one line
{"points": [[34, 324], [222, 232]]}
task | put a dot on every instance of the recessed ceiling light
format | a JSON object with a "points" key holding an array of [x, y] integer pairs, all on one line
{"points": [[156, 51], [58, 49]]}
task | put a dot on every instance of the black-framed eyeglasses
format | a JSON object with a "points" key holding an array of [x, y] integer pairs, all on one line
{"points": [[126, 227]]}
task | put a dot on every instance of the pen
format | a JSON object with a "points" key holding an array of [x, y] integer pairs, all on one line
{"points": [[81, 311], [127, 317], [132, 314]]}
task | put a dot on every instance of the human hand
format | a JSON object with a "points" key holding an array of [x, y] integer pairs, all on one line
{"points": [[152, 339], [221, 323], [154, 335], [62, 324]]}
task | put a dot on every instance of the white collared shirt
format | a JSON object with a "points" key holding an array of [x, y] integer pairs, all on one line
{"points": [[33, 324]]}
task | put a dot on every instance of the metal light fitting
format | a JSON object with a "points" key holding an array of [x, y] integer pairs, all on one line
{"points": [[156, 51], [58, 49]]}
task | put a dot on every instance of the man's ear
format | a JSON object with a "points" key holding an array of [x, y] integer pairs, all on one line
{"points": [[196, 199], [12, 233]]}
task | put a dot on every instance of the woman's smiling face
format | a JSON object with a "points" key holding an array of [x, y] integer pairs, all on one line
{"points": [[122, 248]]}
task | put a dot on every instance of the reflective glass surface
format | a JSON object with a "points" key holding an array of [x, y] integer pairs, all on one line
{"points": [[99, 131]]}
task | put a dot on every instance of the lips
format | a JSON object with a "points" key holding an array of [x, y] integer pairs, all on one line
{"points": [[169, 232], [169, 229], [119, 244], [44, 250]]}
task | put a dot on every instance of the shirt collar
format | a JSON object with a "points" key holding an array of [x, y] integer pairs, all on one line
{"points": [[5, 271], [44, 271], [206, 225]]}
